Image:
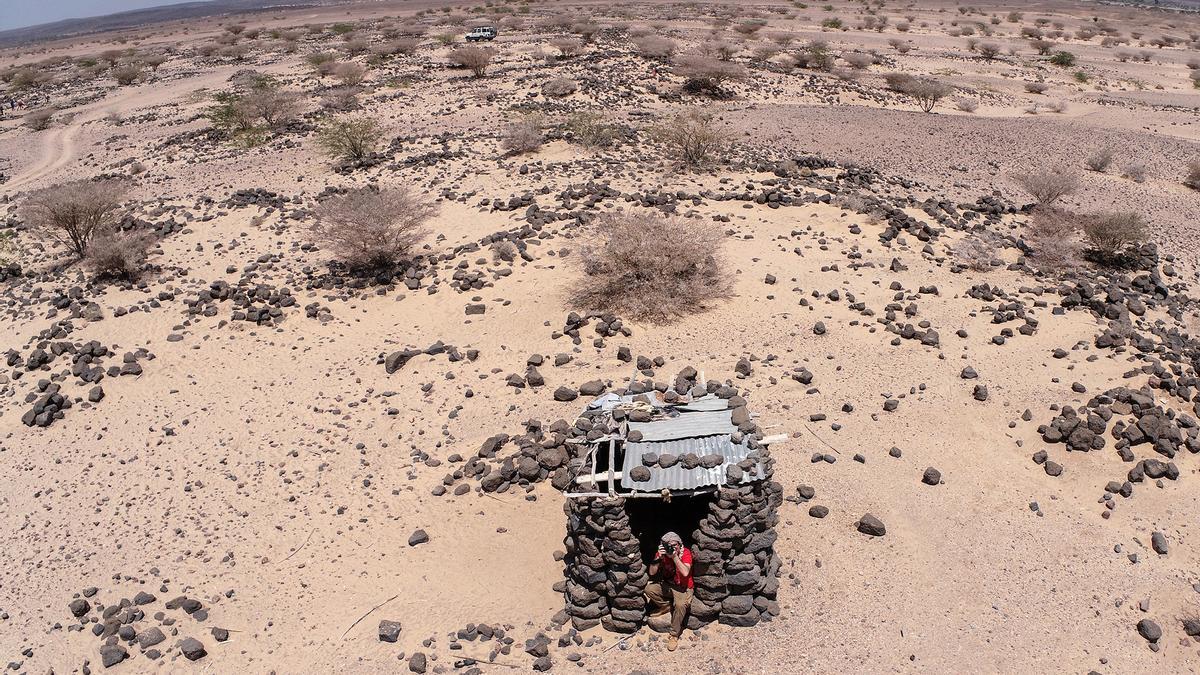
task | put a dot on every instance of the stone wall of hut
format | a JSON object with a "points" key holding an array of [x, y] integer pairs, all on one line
{"points": [[736, 569]]}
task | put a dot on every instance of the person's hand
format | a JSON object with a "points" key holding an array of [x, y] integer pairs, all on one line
{"points": [[662, 552]]}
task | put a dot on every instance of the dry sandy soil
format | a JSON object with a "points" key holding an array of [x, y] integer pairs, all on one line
{"points": [[274, 471]]}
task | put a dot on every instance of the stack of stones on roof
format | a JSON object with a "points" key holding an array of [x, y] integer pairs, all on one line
{"points": [[735, 566]]}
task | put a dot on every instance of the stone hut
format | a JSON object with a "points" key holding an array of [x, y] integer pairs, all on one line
{"points": [[689, 459]]}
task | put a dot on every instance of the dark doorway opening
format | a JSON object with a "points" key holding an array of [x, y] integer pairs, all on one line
{"points": [[650, 519]]}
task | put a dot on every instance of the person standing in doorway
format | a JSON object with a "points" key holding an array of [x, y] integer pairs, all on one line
{"points": [[671, 585]]}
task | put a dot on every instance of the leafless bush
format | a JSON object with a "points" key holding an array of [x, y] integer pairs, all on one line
{"points": [[522, 136], [39, 119], [349, 138], [275, 107], [73, 213], [371, 227], [782, 39], [1192, 178], [750, 27], [1036, 87], [503, 251], [1047, 186], [764, 52], [127, 74], [989, 50], [1110, 233], [693, 137], [567, 47], [559, 86], [1134, 172], [1054, 237], [705, 74], [1100, 160], [117, 255], [898, 81], [656, 47], [476, 59], [652, 267], [967, 105], [342, 99], [351, 74], [927, 92], [858, 61], [1042, 47]]}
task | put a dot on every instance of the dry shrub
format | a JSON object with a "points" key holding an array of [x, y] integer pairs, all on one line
{"points": [[559, 86], [476, 59], [322, 61], [503, 251], [967, 105], [1036, 87], [1100, 160], [858, 61], [703, 74], [275, 107], [371, 227], [927, 92], [1054, 237], [127, 74], [341, 99], [652, 267], [1110, 233], [349, 138], [693, 137], [351, 74], [73, 213], [989, 50], [567, 47], [1134, 172], [764, 52], [1048, 185], [898, 81], [522, 136], [653, 46], [591, 130], [814, 56], [117, 255], [39, 119], [750, 27], [1192, 177]]}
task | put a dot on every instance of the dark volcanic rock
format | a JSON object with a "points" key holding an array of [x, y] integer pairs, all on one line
{"points": [[389, 631], [871, 525]]}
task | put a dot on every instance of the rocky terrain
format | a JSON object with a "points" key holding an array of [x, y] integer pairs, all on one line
{"points": [[232, 448]]}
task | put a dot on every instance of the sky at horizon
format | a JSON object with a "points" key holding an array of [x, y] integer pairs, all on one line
{"points": [[25, 13]]}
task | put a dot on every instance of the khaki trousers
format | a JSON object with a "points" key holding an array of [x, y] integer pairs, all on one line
{"points": [[662, 595]]}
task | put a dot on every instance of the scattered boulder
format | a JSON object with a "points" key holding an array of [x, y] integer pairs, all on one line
{"points": [[871, 525]]}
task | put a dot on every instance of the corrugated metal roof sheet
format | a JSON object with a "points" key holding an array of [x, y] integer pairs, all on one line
{"points": [[704, 404], [686, 425], [677, 477]]}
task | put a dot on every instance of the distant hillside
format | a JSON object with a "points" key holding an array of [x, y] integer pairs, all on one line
{"points": [[150, 15]]}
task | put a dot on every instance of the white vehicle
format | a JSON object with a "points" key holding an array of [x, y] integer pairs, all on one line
{"points": [[481, 33]]}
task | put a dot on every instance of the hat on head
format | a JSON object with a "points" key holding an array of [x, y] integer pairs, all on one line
{"points": [[671, 537]]}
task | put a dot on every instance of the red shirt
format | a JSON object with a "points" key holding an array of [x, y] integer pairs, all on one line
{"points": [[669, 571]]}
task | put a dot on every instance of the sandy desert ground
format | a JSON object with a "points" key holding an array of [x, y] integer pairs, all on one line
{"points": [[256, 474]]}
